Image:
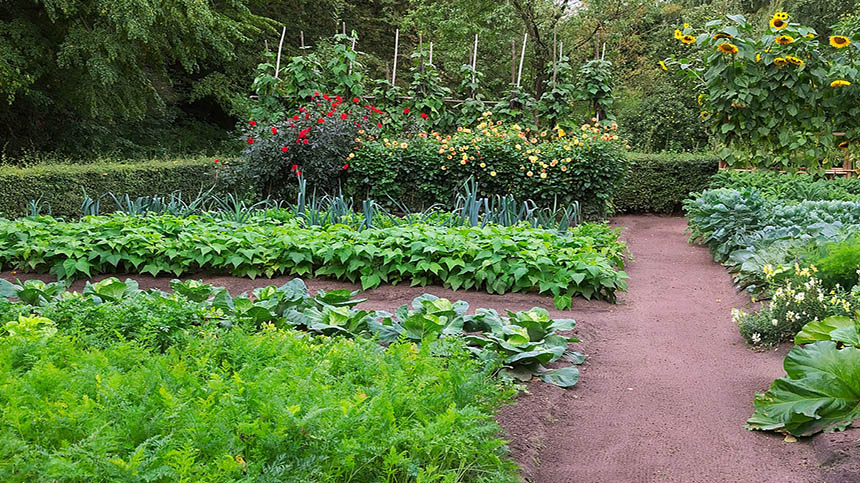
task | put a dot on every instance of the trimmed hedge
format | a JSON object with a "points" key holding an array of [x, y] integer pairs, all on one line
{"points": [[659, 183], [61, 185]]}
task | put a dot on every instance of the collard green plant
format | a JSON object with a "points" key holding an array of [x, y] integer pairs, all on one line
{"points": [[843, 330]]}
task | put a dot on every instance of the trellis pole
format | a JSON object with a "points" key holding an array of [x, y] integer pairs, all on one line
{"points": [[522, 57], [396, 46], [431, 53], [474, 64], [280, 48], [554, 59]]}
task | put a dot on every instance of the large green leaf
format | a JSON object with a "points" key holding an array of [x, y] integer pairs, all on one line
{"points": [[839, 329], [821, 392]]}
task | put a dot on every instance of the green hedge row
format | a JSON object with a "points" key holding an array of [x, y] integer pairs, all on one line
{"points": [[61, 186], [659, 183]]}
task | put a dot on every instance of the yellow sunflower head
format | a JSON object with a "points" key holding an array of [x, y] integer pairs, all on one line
{"points": [[781, 15], [794, 60], [678, 34], [784, 39], [840, 83], [728, 48], [704, 115], [844, 145], [778, 24], [701, 99], [688, 39], [839, 41], [722, 35], [779, 61], [662, 65], [810, 35]]}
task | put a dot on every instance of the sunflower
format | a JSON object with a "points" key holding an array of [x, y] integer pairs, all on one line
{"points": [[784, 39], [777, 24], [843, 145], [810, 35], [688, 39], [704, 115], [678, 34], [781, 16], [722, 35], [701, 99], [728, 48], [686, 25], [794, 60], [662, 65], [839, 41], [840, 83], [779, 61]]}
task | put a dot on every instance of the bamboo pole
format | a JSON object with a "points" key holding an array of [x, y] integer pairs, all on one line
{"points": [[354, 38], [396, 46], [522, 57], [431, 53], [513, 61], [280, 48], [302, 34], [344, 28], [554, 58]]}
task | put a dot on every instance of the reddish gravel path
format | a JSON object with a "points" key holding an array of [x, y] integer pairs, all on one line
{"points": [[667, 386]]}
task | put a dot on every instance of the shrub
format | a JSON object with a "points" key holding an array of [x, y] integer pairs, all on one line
{"points": [[659, 183], [318, 141], [584, 166], [798, 300], [838, 263], [61, 187]]}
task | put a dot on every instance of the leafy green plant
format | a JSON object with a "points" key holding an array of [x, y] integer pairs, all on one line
{"points": [[594, 84], [843, 330], [492, 258], [821, 392]]}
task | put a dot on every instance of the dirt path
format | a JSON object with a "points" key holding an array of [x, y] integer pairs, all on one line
{"points": [[667, 386]]}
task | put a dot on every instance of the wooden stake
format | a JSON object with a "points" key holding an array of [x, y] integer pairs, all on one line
{"points": [[396, 46], [522, 57], [266, 44], [354, 38], [554, 59], [280, 47], [344, 28], [513, 61], [302, 33], [431, 53], [603, 57], [474, 62]]}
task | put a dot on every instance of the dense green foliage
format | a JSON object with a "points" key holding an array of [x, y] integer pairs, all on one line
{"points": [[548, 168], [747, 232], [838, 262], [116, 383], [493, 258], [789, 187], [774, 99], [821, 391], [659, 183], [60, 188]]}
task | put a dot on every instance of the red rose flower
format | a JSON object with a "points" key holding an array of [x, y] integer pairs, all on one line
{"points": [[285, 149], [250, 140], [355, 100], [295, 167], [305, 141], [253, 123], [320, 120], [379, 125], [424, 115], [339, 99], [316, 94], [217, 161], [346, 166], [326, 97], [343, 116], [358, 124], [296, 117], [298, 173], [274, 130], [329, 114], [406, 111]]}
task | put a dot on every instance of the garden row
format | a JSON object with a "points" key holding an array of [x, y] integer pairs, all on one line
{"points": [[653, 183], [118, 383], [804, 256], [584, 261]]}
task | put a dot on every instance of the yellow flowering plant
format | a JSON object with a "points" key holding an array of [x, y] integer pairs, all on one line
{"points": [[774, 99], [547, 166]]}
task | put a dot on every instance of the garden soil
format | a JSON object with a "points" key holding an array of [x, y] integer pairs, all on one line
{"points": [[667, 385]]}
